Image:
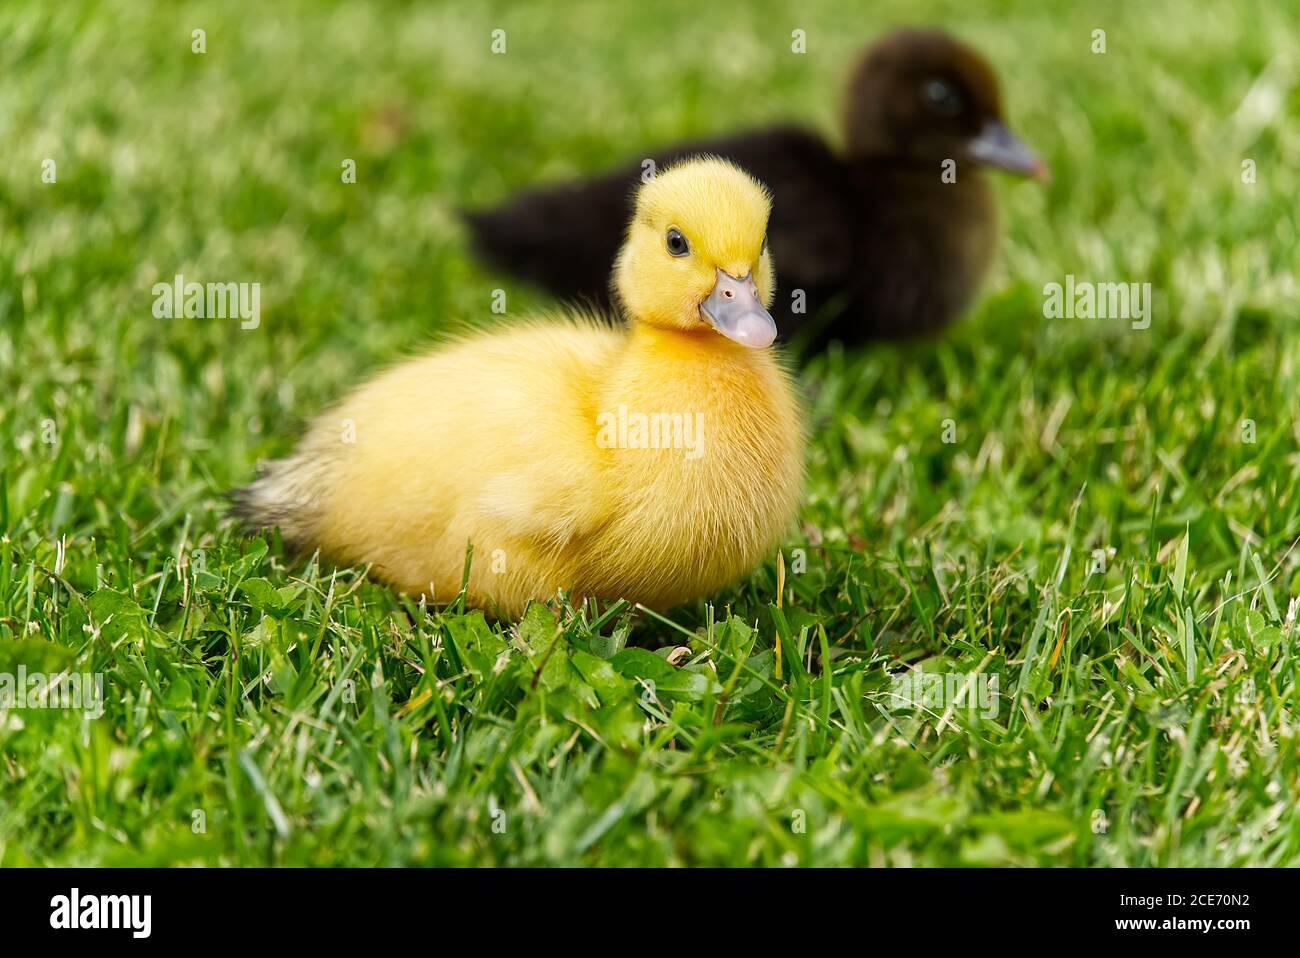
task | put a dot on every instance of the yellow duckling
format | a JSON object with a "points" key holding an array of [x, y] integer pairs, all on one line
{"points": [[655, 463]]}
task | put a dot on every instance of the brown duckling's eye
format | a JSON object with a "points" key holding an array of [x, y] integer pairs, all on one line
{"points": [[942, 97], [676, 242]]}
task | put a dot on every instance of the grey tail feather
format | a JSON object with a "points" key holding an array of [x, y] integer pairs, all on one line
{"points": [[247, 508], [285, 494]]}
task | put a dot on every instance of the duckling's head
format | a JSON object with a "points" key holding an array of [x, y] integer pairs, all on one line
{"points": [[921, 95], [695, 259]]}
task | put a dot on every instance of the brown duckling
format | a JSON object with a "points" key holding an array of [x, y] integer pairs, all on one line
{"points": [[887, 238]]}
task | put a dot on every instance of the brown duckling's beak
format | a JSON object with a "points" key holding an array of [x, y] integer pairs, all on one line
{"points": [[998, 147], [734, 309]]}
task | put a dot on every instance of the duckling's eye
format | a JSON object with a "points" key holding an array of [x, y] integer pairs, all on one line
{"points": [[942, 97], [676, 242]]}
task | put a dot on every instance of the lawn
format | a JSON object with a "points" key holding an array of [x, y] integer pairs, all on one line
{"points": [[1100, 519]]}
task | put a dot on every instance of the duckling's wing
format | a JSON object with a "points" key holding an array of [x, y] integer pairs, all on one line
{"points": [[547, 506]]}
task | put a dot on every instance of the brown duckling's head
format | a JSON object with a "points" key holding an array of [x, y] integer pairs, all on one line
{"points": [[920, 95]]}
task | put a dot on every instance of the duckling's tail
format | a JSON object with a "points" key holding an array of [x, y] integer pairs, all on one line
{"points": [[287, 493]]}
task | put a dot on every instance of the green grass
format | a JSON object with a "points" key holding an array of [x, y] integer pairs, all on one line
{"points": [[266, 709]]}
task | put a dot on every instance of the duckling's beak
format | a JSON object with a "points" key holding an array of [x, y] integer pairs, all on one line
{"points": [[733, 309], [998, 147]]}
